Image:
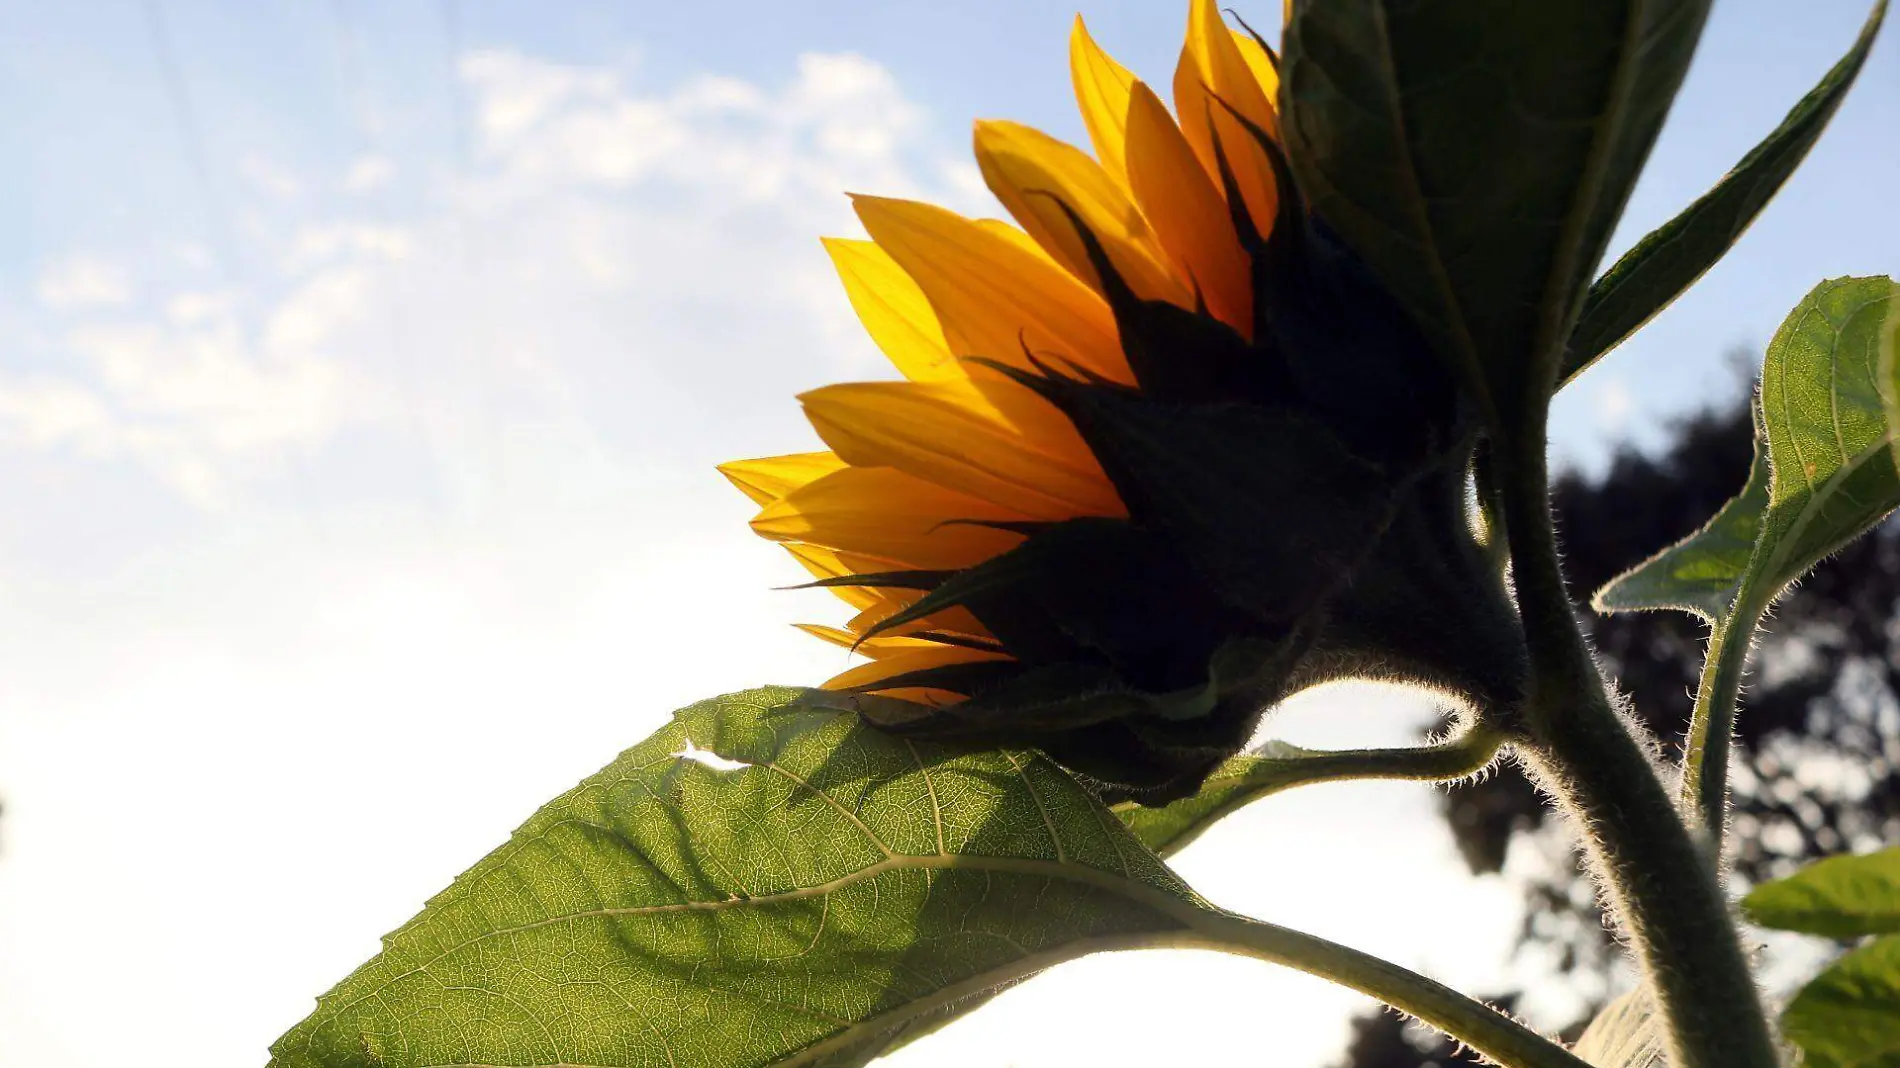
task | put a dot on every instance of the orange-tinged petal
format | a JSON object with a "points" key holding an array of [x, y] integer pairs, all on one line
{"points": [[1224, 68], [878, 648], [885, 512], [893, 310], [907, 661], [1261, 65], [1101, 94], [1187, 210], [991, 295], [1209, 84], [770, 478], [952, 434], [1036, 176], [826, 563], [949, 621]]}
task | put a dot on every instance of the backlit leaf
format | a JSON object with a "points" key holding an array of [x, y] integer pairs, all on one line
{"points": [[1840, 897], [1702, 572], [762, 882], [1849, 1016], [1829, 402]]}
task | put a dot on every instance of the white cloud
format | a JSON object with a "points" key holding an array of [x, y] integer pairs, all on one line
{"points": [[582, 275], [270, 177], [81, 282], [368, 173]]}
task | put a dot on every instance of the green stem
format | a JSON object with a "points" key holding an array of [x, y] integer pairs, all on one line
{"points": [[1656, 878], [1446, 761], [1705, 754], [1493, 1034]]}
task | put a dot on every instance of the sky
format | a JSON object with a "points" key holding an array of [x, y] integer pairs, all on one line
{"points": [[362, 370]]}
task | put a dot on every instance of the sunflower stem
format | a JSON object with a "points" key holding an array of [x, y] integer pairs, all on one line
{"points": [[1712, 724], [1655, 877], [1498, 1037]]}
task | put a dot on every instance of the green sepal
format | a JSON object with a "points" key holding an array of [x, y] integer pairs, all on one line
{"points": [[1267, 504], [1091, 590], [1428, 608]]}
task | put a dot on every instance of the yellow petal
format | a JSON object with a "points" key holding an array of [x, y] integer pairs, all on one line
{"points": [[1260, 64], [1187, 210], [907, 661], [1211, 67], [771, 478], [951, 434], [877, 648], [956, 620], [884, 512], [893, 310], [991, 295], [1224, 68], [1035, 176], [1101, 93], [826, 563]]}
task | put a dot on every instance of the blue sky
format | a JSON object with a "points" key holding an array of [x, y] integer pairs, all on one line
{"points": [[362, 366]]}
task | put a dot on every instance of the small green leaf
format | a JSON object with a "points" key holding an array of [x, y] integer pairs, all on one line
{"points": [[762, 882], [1478, 155], [1669, 260], [1829, 398], [1236, 784], [1849, 1016], [1702, 572], [1840, 897]]}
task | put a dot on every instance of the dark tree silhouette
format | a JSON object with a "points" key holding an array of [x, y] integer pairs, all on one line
{"points": [[1817, 764]]}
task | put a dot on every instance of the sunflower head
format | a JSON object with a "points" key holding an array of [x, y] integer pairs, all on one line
{"points": [[1164, 451]]}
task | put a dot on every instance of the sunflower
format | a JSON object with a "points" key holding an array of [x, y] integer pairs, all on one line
{"points": [[1144, 438]]}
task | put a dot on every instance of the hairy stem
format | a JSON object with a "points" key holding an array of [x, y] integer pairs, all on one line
{"points": [[1446, 761], [1660, 883], [1705, 754], [1490, 1032]]}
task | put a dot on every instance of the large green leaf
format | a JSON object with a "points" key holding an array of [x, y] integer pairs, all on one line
{"points": [[791, 898], [1702, 572], [1840, 897], [1829, 401], [1477, 155], [1667, 261], [1849, 1016]]}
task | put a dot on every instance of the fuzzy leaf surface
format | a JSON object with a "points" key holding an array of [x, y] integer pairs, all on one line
{"points": [[793, 899], [1671, 257], [1397, 115]]}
